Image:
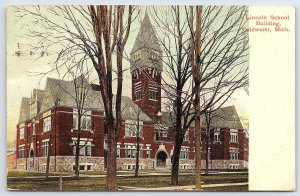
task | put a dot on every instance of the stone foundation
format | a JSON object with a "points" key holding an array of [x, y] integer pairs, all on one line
{"points": [[129, 164], [66, 163], [60, 163]]}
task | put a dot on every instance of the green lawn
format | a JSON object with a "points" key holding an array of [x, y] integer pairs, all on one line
{"points": [[98, 183]]}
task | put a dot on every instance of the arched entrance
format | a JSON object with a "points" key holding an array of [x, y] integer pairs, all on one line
{"points": [[31, 154], [161, 158]]}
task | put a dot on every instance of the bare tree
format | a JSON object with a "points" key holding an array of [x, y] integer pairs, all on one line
{"points": [[79, 91], [214, 53], [219, 63], [92, 33]]}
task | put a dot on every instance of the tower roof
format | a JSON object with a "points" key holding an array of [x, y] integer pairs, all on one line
{"points": [[146, 37], [146, 42]]}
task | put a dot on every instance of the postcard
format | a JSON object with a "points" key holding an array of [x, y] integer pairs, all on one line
{"points": [[150, 98]]}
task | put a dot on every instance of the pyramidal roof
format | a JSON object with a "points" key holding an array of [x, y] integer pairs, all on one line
{"points": [[146, 37]]}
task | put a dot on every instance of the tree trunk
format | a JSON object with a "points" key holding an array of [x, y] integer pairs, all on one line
{"points": [[77, 150], [136, 173], [175, 158], [207, 149], [48, 158], [111, 175]]}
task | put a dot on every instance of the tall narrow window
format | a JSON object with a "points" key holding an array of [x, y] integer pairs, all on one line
{"points": [[138, 95], [45, 146], [118, 151], [22, 151], [217, 137], [152, 95], [47, 124], [184, 153], [86, 123], [22, 133], [234, 154], [148, 152], [33, 129], [233, 137]]}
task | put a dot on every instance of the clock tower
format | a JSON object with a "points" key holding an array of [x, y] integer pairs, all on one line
{"points": [[146, 68]]}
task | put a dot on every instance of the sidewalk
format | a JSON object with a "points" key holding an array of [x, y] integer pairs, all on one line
{"points": [[179, 188]]}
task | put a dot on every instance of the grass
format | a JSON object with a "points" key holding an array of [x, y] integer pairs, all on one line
{"points": [[15, 173], [228, 188], [98, 183]]}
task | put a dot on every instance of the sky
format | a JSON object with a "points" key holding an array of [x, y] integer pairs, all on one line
{"points": [[21, 80]]}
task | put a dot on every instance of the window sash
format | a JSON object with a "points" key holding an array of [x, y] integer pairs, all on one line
{"points": [[45, 146], [22, 133], [47, 124], [138, 95], [85, 122], [152, 95]]}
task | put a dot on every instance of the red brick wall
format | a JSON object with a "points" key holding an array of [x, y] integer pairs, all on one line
{"points": [[62, 124], [148, 106]]}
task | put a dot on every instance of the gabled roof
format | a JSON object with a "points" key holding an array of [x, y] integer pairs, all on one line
{"points": [[226, 117], [62, 93], [25, 110]]}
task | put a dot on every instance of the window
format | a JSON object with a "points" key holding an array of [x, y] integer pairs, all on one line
{"points": [[85, 148], [186, 136], [47, 124], [81, 167], [137, 55], [217, 135], [234, 137], [152, 95], [33, 129], [118, 150], [184, 153], [234, 154], [138, 95], [132, 130], [45, 146], [130, 151], [153, 56], [156, 135], [148, 152], [22, 151], [165, 134], [85, 120], [22, 133]]}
